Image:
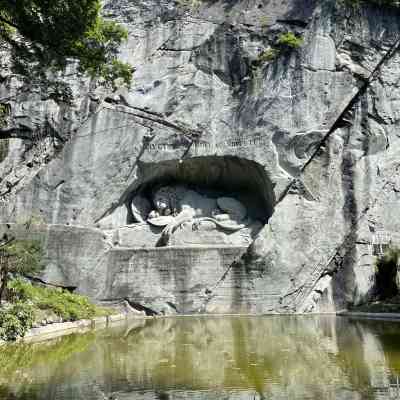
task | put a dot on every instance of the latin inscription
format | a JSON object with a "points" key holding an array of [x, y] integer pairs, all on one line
{"points": [[203, 145]]}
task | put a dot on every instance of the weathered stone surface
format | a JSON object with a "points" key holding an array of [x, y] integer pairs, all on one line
{"points": [[168, 280], [73, 254], [205, 110], [137, 235], [119, 217]]}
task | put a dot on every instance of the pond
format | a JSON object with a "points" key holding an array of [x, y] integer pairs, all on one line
{"points": [[272, 357]]}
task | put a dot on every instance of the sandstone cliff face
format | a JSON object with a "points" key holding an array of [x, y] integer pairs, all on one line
{"points": [[312, 133]]}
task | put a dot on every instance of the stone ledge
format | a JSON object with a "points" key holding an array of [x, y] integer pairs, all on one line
{"points": [[53, 331], [177, 247], [387, 316]]}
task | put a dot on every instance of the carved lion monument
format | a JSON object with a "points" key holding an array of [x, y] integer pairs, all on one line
{"points": [[176, 205]]}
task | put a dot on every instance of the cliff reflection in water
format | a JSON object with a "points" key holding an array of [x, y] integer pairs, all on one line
{"points": [[211, 358]]}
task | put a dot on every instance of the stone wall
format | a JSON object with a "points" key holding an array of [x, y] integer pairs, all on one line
{"points": [[318, 123]]}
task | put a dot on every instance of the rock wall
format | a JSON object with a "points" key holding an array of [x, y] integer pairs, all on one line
{"points": [[318, 124]]}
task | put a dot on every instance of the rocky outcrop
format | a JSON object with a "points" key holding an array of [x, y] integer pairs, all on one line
{"points": [[309, 135]]}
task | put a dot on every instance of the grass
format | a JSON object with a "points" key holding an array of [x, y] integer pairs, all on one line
{"points": [[27, 303], [68, 306]]}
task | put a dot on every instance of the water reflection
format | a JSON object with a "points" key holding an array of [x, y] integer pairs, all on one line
{"points": [[211, 358]]}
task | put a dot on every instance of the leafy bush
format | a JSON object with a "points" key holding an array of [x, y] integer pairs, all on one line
{"points": [[25, 256], [289, 41], [68, 306], [264, 57], [16, 320], [19, 257], [285, 43]]}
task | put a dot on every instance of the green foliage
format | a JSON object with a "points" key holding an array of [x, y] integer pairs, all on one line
{"points": [[44, 35], [268, 55], [24, 256], [264, 57], [19, 257], [15, 320], [117, 73], [289, 41], [28, 299], [68, 306], [286, 42]]}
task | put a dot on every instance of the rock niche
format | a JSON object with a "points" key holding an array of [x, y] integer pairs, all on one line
{"points": [[210, 201]]}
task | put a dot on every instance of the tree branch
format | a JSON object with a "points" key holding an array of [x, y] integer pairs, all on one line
{"points": [[6, 21]]}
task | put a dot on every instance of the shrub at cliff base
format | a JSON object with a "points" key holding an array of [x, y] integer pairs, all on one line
{"points": [[27, 300], [15, 320], [68, 306], [19, 257]]}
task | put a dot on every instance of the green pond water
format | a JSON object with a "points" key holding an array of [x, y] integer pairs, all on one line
{"points": [[211, 358]]}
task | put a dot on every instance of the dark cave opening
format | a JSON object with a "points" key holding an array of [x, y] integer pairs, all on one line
{"points": [[386, 275], [214, 176]]}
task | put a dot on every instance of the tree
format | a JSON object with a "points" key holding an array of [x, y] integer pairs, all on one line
{"points": [[18, 257], [44, 35]]}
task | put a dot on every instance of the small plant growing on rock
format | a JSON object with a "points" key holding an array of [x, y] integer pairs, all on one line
{"points": [[264, 57], [268, 55], [289, 41], [285, 43]]}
